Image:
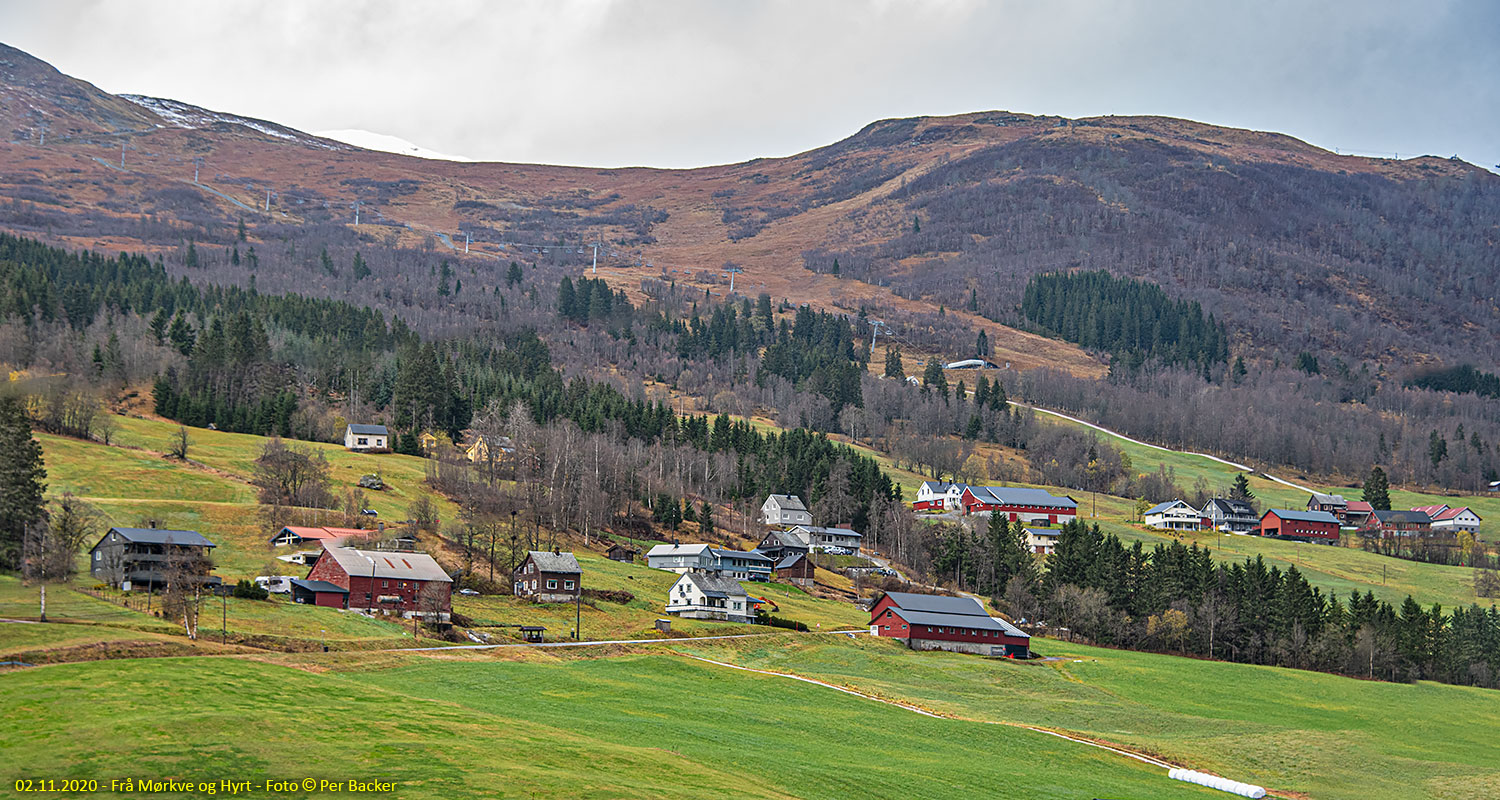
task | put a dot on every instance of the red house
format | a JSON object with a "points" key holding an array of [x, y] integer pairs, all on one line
{"points": [[958, 624], [409, 584], [1032, 506], [1306, 525]]}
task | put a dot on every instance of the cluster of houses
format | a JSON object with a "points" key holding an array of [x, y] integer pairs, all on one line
{"points": [[1034, 507], [1324, 518], [363, 438]]}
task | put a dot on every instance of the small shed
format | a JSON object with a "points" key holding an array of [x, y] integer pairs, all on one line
{"points": [[797, 569], [622, 552], [532, 633]]}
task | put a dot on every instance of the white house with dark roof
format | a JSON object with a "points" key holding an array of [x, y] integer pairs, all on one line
{"points": [[786, 510], [1173, 515], [366, 437], [1042, 541], [1228, 514], [699, 595], [681, 557]]}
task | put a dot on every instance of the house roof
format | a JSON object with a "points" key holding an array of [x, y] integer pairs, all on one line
{"points": [[942, 487], [1044, 532], [161, 536], [625, 547], [1015, 496], [400, 566], [1360, 507], [1396, 515], [970, 621], [554, 562], [749, 555], [833, 531], [791, 538], [319, 586], [715, 585], [790, 561], [1329, 499], [1160, 507], [788, 502], [1231, 507], [329, 535], [1302, 516], [678, 550], [367, 430], [1454, 512], [1431, 511]]}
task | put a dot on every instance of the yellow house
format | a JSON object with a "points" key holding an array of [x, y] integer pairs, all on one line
{"points": [[427, 442], [479, 452]]}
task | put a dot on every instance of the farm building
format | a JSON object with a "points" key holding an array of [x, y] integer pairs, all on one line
{"points": [[547, 577], [294, 534], [959, 624], [366, 437], [1287, 523], [622, 552], [150, 558], [698, 595], [1452, 520], [409, 584], [1032, 506], [785, 509], [1356, 513], [1174, 515], [319, 593], [938, 496], [1402, 524], [1228, 514], [824, 538], [797, 569]]}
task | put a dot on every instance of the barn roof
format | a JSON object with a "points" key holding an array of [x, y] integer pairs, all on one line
{"points": [[1303, 516], [970, 621], [400, 566], [318, 586], [1016, 496], [554, 562], [1395, 515], [936, 603], [160, 536]]}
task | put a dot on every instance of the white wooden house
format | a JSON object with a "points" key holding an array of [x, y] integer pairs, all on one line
{"points": [[682, 557], [938, 496], [1173, 515], [785, 509], [366, 437], [698, 595], [820, 538]]}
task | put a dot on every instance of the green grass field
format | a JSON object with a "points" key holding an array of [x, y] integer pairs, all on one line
{"points": [[1328, 736], [645, 726]]}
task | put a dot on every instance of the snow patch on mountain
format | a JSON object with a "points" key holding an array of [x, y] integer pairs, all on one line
{"points": [[386, 144]]}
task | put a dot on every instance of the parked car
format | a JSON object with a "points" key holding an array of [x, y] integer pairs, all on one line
{"points": [[468, 592]]}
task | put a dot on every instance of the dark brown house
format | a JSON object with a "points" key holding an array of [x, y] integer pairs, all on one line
{"points": [[621, 552], [796, 568], [548, 577], [151, 558]]}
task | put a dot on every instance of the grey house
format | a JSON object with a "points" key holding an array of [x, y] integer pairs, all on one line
{"points": [[149, 558]]}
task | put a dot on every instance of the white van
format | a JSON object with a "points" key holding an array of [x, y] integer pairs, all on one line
{"points": [[275, 584]]}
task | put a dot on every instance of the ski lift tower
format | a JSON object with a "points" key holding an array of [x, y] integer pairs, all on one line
{"points": [[875, 326], [733, 270]]}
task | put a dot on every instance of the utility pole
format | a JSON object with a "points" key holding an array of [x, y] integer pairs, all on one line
{"points": [[578, 612], [223, 611]]}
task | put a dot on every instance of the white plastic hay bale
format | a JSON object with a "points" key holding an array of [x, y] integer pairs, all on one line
{"points": [[1216, 782]]}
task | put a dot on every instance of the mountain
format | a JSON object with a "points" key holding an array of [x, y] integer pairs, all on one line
{"points": [[386, 143], [935, 223]]}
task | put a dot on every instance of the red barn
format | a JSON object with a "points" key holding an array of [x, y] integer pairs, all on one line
{"points": [[409, 584], [959, 624], [1307, 525], [1032, 506]]}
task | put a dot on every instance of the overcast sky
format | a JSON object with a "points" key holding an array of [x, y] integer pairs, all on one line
{"points": [[627, 82]]}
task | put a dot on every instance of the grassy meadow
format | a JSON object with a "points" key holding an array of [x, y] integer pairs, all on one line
{"points": [[644, 726]]}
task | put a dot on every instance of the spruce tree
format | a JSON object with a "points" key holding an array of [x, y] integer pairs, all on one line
{"points": [[1377, 490], [21, 481], [982, 345], [1241, 488], [893, 367]]}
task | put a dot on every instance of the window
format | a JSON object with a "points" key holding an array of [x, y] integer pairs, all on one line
{"points": [[362, 440], [385, 584], [551, 584], [567, 584]]}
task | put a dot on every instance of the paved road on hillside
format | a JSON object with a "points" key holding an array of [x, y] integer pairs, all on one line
{"points": [[1133, 440]]}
